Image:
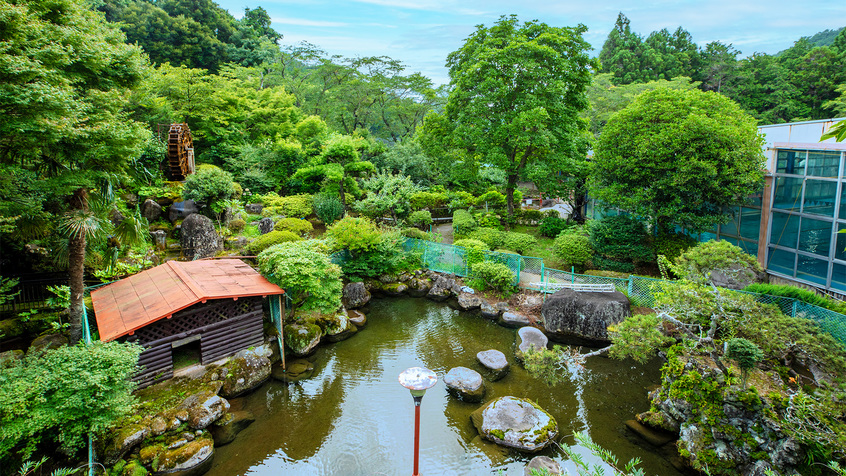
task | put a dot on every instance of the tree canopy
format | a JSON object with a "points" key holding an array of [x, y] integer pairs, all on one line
{"points": [[517, 90], [678, 156]]}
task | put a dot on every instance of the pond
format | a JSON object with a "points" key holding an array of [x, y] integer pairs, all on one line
{"points": [[354, 418]]}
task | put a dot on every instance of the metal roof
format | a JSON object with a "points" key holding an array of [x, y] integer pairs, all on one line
{"points": [[127, 305]]}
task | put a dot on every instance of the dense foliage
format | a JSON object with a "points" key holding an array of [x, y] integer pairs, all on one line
{"points": [[294, 225], [573, 249], [620, 242], [56, 398], [211, 186], [269, 239], [678, 156], [801, 294], [307, 276], [496, 276], [695, 263]]}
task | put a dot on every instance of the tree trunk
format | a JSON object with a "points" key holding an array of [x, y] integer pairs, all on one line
{"points": [[76, 268], [509, 194], [579, 202]]}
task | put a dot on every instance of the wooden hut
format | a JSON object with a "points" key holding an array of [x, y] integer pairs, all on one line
{"points": [[214, 303]]}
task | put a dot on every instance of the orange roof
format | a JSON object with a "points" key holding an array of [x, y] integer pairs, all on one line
{"points": [[134, 302]]}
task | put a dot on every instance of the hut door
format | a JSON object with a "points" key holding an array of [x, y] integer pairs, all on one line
{"points": [[186, 352]]}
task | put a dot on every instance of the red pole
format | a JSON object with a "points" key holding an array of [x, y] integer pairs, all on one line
{"points": [[416, 438]]}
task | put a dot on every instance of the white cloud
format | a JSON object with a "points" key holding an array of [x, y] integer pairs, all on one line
{"points": [[307, 22]]}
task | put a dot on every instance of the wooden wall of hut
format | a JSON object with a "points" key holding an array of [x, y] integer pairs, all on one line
{"points": [[225, 326]]}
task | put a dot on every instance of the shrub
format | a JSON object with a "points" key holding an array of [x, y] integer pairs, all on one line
{"points": [[469, 243], [489, 220], [385, 256], [672, 245], [463, 223], [695, 263], [353, 234], [297, 206], [59, 397], [518, 242], [420, 218], [552, 226], [495, 275], [460, 199], [533, 215], [307, 275], [415, 233], [237, 225], [491, 236], [267, 240], [794, 292], [573, 249], [745, 353], [427, 199], [328, 208], [492, 199], [620, 239], [294, 225], [210, 185]]}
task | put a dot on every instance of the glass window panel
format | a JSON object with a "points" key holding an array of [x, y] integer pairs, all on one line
{"points": [[838, 277], [707, 236], [731, 240], [819, 197], [750, 223], [812, 269], [756, 199], [784, 230], [843, 201], [840, 246], [748, 247], [730, 228], [823, 163], [781, 261], [815, 236], [788, 191], [791, 162]]}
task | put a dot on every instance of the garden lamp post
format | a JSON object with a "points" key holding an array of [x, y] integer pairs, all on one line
{"points": [[418, 380]]}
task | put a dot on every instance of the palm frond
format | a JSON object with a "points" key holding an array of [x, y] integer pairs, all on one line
{"points": [[78, 223]]}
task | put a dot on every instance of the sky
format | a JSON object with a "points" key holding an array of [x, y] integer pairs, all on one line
{"points": [[421, 33]]}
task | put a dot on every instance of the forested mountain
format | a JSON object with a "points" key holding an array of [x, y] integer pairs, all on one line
{"points": [[800, 83]]}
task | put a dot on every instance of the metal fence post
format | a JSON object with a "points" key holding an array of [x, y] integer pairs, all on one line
{"points": [[519, 262], [573, 274], [795, 305], [631, 286]]}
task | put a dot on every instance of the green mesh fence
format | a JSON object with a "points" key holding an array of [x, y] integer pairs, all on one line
{"points": [[530, 273]]}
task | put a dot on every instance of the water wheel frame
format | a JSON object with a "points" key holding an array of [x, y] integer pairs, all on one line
{"points": [[180, 151]]}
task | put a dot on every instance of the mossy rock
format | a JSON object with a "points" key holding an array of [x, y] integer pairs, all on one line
{"points": [[394, 289], [302, 337], [296, 370], [11, 328], [188, 455], [517, 423]]}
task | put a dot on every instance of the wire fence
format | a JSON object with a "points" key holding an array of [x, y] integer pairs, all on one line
{"points": [[530, 273]]}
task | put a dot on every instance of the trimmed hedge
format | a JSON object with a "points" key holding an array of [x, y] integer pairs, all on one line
{"points": [[794, 292], [294, 225], [491, 236], [551, 227], [415, 233], [463, 223], [296, 206], [495, 275], [518, 242], [573, 249], [267, 240], [470, 242], [420, 218]]}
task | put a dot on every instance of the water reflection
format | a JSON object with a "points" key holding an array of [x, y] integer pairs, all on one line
{"points": [[353, 418]]}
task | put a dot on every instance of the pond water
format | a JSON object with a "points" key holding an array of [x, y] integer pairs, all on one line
{"points": [[354, 418]]}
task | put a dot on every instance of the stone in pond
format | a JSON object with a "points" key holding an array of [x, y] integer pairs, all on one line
{"points": [[298, 369], [468, 302], [355, 295], [488, 311], [338, 326], [530, 338], [357, 318], [120, 441], [227, 428], [513, 319], [516, 423], [187, 458], [204, 408], [653, 436], [494, 364], [465, 384], [302, 338], [583, 317], [245, 371], [541, 463]]}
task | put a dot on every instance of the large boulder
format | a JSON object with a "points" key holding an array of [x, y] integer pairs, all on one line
{"points": [[734, 276], [530, 338], [443, 289], [10, 358], [227, 428], [204, 408], [198, 237], [355, 295], [265, 225], [182, 210], [302, 337], [465, 384], [159, 239], [543, 463], [469, 302], [254, 208], [337, 327], [151, 210], [47, 342], [583, 317], [186, 454], [419, 286], [494, 364], [243, 372], [488, 311], [120, 441], [515, 423]]}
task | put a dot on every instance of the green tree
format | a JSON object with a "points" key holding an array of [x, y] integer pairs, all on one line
{"points": [[337, 166], [59, 397], [745, 353], [678, 156], [63, 114], [621, 53], [516, 94]]}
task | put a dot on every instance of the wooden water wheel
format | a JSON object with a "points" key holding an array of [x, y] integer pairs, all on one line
{"points": [[180, 151]]}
